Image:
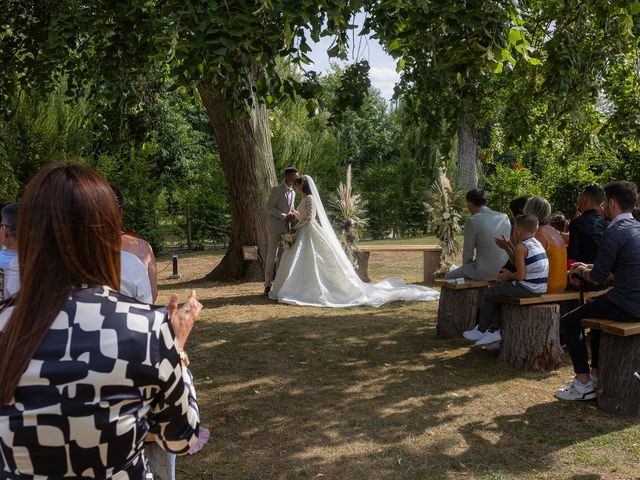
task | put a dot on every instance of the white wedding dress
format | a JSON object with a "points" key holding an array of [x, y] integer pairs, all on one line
{"points": [[315, 271]]}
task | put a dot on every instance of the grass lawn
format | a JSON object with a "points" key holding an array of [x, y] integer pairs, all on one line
{"points": [[362, 393]]}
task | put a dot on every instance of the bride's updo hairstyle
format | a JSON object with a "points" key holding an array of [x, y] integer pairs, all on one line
{"points": [[304, 184]]}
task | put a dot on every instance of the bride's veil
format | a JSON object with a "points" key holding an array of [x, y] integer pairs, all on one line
{"points": [[325, 224]]}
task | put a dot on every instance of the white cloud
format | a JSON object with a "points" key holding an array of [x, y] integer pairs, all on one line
{"points": [[384, 79]]}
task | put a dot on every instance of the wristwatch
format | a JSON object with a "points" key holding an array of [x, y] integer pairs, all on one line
{"points": [[184, 358]]}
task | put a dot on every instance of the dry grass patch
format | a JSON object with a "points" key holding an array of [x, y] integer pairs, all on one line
{"points": [[362, 393]]}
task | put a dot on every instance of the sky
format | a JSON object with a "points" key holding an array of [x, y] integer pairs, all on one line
{"points": [[382, 67]]}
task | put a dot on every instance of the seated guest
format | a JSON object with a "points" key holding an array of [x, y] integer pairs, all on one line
{"points": [[618, 253], [86, 373], [529, 280], [9, 273], [132, 243], [134, 278], [552, 242], [479, 233], [585, 231], [515, 209], [561, 224]]}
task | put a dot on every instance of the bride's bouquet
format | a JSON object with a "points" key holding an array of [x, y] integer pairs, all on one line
{"points": [[288, 238]]}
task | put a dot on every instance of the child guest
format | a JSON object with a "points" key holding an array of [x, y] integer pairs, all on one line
{"points": [[529, 280]]}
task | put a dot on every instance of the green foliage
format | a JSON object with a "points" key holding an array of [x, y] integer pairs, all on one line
{"points": [[40, 129]]}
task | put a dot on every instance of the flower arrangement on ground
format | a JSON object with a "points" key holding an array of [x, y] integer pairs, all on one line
{"points": [[442, 207], [348, 209]]}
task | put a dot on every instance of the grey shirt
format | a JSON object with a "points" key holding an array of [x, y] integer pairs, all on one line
{"points": [[482, 259]]}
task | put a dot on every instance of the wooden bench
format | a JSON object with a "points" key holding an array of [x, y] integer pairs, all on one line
{"points": [[531, 328], [431, 258], [618, 391], [458, 307]]}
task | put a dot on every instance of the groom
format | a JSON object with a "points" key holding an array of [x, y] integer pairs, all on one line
{"points": [[280, 213]]}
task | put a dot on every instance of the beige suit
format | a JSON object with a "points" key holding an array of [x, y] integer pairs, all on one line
{"points": [[279, 205]]}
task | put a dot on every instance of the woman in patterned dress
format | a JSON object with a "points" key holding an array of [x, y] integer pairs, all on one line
{"points": [[86, 372]]}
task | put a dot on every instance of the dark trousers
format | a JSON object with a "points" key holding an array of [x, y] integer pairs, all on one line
{"points": [[571, 330], [489, 315]]}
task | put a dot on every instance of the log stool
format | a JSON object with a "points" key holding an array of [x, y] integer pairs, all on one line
{"points": [[458, 307], [531, 336], [618, 391]]}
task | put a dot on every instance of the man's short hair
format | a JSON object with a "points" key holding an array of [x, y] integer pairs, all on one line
{"points": [[594, 193], [625, 193], [289, 170], [477, 197], [10, 217], [527, 224]]}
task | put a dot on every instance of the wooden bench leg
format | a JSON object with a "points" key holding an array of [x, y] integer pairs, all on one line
{"points": [[457, 311], [431, 264], [363, 265], [618, 391], [531, 336]]}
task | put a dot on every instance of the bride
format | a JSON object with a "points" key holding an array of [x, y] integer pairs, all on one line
{"points": [[315, 271]]}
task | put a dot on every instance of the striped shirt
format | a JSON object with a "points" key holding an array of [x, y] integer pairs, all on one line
{"points": [[536, 266]]}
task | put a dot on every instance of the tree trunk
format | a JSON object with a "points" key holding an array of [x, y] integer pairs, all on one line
{"points": [[468, 148], [618, 391], [457, 311], [531, 336], [247, 163]]}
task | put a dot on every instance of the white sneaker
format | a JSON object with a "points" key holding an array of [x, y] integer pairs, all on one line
{"points": [[492, 347], [577, 391], [593, 379], [489, 337], [473, 335]]}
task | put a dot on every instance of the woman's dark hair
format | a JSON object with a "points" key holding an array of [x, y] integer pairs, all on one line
{"points": [[559, 222], [304, 183], [68, 235], [517, 206]]}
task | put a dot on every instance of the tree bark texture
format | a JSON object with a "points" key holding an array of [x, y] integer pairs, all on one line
{"points": [[247, 163], [618, 391], [531, 336], [468, 149], [457, 311]]}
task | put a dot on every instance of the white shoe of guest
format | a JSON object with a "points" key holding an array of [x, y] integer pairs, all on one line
{"points": [[473, 335], [593, 379], [489, 337], [577, 391]]}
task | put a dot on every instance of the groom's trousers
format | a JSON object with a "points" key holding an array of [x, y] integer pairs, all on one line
{"points": [[274, 252]]}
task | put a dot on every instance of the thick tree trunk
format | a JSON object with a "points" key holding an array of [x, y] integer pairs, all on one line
{"points": [[531, 336], [468, 149], [247, 163], [618, 391], [457, 311]]}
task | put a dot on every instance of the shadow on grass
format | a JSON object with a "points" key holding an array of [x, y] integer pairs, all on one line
{"points": [[362, 393]]}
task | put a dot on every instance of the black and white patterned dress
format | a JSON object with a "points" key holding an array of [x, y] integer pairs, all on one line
{"points": [[107, 373]]}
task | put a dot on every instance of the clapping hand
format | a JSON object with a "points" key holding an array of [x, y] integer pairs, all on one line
{"points": [[183, 318], [503, 276], [503, 242]]}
